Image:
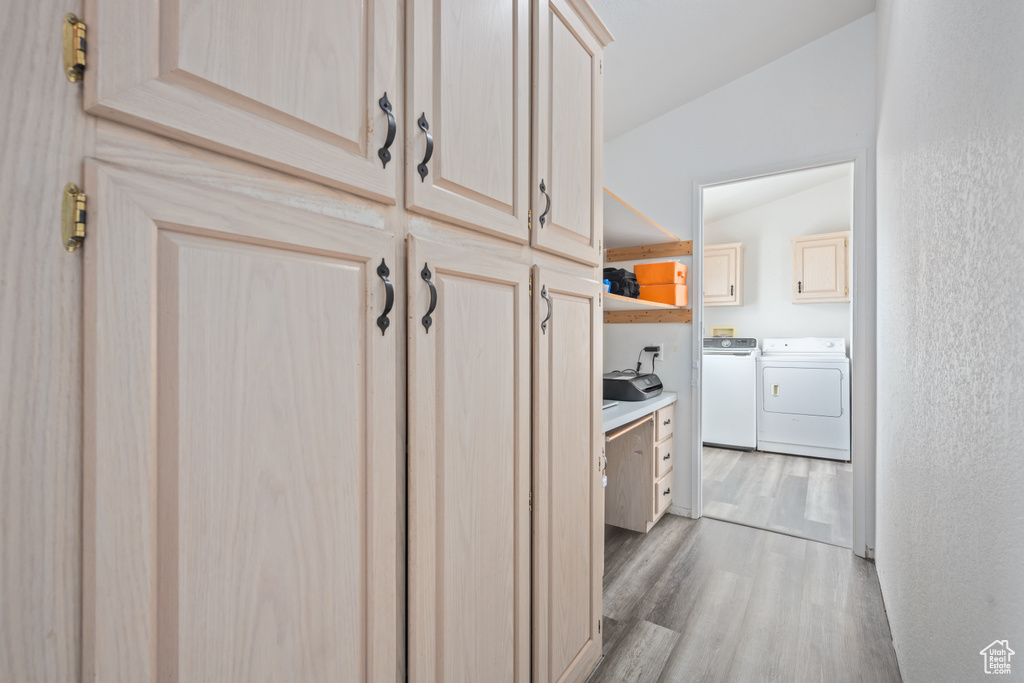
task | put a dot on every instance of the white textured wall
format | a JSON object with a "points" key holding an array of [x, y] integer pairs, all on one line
{"points": [[950, 525], [765, 231], [816, 101]]}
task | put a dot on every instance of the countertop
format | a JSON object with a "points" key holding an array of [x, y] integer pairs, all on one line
{"points": [[627, 411]]}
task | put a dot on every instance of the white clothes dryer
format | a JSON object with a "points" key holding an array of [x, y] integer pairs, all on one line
{"points": [[803, 398]]}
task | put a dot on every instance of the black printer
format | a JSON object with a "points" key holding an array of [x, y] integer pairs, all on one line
{"points": [[629, 386]]}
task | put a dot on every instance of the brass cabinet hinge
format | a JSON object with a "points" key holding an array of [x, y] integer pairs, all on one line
{"points": [[531, 501], [74, 48], [529, 219], [847, 290], [531, 286], [73, 217]]}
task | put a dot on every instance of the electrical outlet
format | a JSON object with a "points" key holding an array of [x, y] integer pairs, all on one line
{"points": [[660, 349]]}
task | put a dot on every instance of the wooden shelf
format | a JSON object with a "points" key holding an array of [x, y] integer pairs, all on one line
{"points": [[631, 236], [636, 253], [614, 302], [624, 309]]}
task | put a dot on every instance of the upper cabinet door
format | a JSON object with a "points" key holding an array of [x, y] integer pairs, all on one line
{"points": [[568, 133], [723, 274], [468, 116], [820, 272], [294, 85]]}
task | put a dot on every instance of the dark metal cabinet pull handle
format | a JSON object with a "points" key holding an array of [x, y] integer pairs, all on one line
{"points": [[544, 322], [667, 422], [389, 290], [732, 290], [384, 152], [427, 321], [800, 287], [666, 492], [667, 456], [547, 206], [422, 166]]}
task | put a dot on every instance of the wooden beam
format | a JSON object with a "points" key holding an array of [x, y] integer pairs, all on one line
{"points": [[677, 315], [682, 248]]}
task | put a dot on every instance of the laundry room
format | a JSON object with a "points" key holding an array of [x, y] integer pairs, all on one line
{"points": [[777, 328]]}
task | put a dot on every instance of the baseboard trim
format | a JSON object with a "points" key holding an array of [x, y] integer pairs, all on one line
{"points": [[678, 511]]}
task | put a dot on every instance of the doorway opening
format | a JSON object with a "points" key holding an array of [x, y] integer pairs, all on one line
{"points": [[777, 333]]}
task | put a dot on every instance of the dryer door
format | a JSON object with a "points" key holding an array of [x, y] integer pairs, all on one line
{"points": [[802, 391]]}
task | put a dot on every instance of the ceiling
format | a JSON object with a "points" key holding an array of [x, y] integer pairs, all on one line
{"points": [[725, 200], [669, 52]]}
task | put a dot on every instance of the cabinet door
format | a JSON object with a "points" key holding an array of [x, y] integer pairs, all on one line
{"points": [[469, 465], [723, 275], [819, 268], [568, 134], [291, 84], [467, 81], [568, 502], [240, 450]]}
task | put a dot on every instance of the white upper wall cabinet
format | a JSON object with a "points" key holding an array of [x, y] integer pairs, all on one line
{"points": [[723, 274], [568, 131], [294, 85], [468, 119], [820, 268]]}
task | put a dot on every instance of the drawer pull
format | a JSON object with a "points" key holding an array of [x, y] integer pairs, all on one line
{"points": [[666, 492], [667, 422], [667, 456]]}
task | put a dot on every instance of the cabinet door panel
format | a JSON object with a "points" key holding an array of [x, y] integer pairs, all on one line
{"points": [[469, 447], [290, 84], [819, 268], [568, 134], [240, 459], [568, 513], [723, 275], [468, 76]]}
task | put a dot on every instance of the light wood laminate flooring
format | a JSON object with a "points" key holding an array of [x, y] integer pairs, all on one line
{"points": [[705, 600], [804, 497]]}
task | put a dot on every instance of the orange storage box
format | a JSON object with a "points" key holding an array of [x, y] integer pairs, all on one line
{"points": [[663, 273], [675, 295]]}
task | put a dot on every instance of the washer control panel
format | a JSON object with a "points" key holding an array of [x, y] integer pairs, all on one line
{"points": [[730, 343]]}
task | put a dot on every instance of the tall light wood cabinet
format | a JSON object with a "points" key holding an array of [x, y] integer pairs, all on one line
{"points": [[820, 268], [568, 500], [469, 465], [246, 334], [240, 517], [568, 130], [296, 85], [723, 274]]}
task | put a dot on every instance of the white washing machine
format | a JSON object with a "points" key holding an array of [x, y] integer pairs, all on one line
{"points": [[803, 398], [728, 394]]}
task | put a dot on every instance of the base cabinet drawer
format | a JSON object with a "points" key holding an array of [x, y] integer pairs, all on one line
{"points": [[663, 422], [663, 458], [662, 495]]}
